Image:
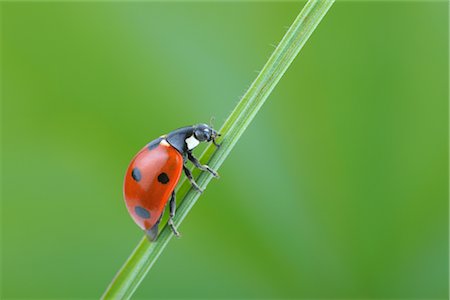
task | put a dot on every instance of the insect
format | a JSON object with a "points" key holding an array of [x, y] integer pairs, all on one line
{"points": [[154, 172]]}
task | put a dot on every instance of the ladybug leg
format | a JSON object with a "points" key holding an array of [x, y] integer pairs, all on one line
{"points": [[172, 208], [197, 163], [191, 179], [215, 143], [152, 233]]}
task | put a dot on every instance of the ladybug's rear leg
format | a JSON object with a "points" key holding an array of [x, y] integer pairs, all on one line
{"points": [[152, 233], [197, 163], [191, 179], [172, 208]]}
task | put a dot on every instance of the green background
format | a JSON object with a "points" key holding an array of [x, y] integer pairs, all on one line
{"points": [[338, 189]]}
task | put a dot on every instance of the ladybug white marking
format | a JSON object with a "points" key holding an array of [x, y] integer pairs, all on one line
{"points": [[191, 142], [164, 143]]}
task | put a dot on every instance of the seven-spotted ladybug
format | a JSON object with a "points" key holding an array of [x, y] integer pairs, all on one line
{"points": [[154, 172]]}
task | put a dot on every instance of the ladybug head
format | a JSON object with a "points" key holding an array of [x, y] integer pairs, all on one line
{"points": [[205, 133]]}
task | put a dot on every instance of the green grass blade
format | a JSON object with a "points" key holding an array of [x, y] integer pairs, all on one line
{"points": [[145, 254]]}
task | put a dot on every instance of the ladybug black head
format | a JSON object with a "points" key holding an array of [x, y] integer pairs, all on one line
{"points": [[204, 133]]}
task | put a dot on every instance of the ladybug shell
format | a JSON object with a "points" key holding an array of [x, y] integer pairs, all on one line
{"points": [[150, 180]]}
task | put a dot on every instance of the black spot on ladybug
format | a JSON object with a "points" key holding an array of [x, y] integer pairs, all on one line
{"points": [[136, 174], [153, 144], [142, 212], [163, 178]]}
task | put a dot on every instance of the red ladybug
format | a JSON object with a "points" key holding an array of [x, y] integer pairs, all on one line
{"points": [[154, 172]]}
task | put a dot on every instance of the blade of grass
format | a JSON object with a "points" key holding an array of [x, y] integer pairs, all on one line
{"points": [[145, 254]]}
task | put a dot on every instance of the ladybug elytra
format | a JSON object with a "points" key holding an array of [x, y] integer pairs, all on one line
{"points": [[154, 172]]}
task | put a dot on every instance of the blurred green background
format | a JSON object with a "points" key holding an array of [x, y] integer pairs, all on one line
{"points": [[339, 188]]}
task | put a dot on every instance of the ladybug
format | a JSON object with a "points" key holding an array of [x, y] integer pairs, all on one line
{"points": [[154, 172]]}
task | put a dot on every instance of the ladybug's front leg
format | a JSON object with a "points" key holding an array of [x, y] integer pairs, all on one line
{"points": [[191, 179], [172, 207], [197, 163]]}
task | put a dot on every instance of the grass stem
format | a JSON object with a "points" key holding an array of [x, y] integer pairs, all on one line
{"points": [[145, 254]]}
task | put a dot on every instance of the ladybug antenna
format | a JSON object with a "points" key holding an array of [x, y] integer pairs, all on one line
{"points": [[211, 121]]}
